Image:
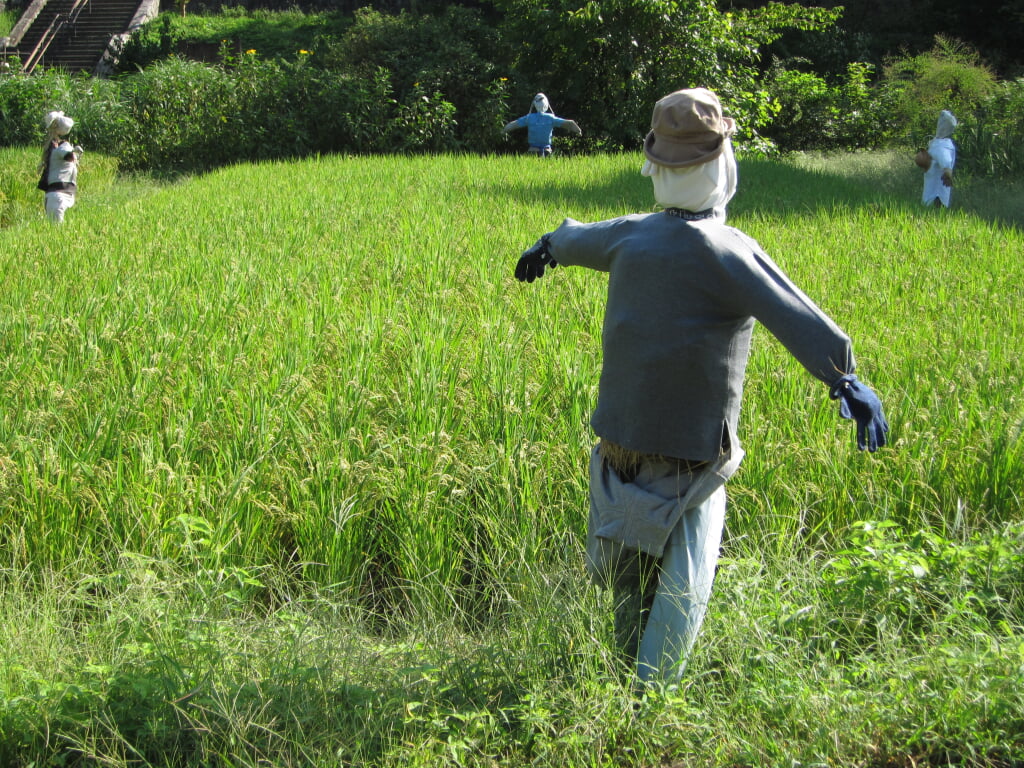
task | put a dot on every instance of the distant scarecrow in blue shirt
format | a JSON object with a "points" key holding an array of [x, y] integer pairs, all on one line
{"points": [[539, 123]]}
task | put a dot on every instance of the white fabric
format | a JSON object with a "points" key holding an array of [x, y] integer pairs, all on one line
{"points": [[696, 188], [61, 170], [58, 124], [946, 125], [56, 204], [541, 104], [943, 153]]}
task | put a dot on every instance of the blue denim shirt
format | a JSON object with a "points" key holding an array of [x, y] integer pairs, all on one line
{"points": [[539, 127]]}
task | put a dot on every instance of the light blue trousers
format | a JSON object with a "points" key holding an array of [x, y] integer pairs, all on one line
{"points": [[654, 541], [685, 577]]}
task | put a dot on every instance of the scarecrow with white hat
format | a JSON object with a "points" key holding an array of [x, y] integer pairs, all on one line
{"points": [[684, 292], [540, 123], [938, 176], [59, 166]]}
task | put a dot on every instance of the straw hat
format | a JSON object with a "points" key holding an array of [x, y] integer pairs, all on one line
{"points": [[687, 128]]}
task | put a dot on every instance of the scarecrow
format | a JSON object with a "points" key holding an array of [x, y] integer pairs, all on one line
{"points": [[939, 162], [684, 292], [540, 123], [58, 168]]}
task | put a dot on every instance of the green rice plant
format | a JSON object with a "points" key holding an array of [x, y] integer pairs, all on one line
{"points": [[292, 471], [21, 200]]}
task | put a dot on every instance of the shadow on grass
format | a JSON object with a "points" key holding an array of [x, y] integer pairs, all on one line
{"points": [[160, 716], [795, 184]]}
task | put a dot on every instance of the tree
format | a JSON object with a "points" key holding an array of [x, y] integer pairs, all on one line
{"points": [[950, 76], [605, 62]]}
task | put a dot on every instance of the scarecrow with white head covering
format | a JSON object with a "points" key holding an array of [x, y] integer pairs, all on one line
{"points": [[938, 177], [59, 166], [684, 292], [540, 123]]}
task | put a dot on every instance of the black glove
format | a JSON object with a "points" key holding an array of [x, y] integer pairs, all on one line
{"points": [[533, 261], [858, 401]]}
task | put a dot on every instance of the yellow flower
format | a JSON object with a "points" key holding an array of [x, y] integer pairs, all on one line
{"points": [[303, 52], [251, 51]]}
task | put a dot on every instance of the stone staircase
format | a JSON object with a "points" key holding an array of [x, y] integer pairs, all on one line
{"points": [[74, 35]]}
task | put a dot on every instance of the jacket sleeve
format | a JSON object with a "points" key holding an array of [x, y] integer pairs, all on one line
{"points": [[593, 245], [764, 291]]}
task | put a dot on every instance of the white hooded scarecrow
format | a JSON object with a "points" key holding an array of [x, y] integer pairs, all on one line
{"points": [[938, 178], [59, 166], [684, 292], [540, 122]]}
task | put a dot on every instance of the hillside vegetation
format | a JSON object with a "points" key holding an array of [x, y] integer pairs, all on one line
{"points": [[199, 92]]}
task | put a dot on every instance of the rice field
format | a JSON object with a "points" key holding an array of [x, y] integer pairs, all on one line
{"points": [[292, 472]]}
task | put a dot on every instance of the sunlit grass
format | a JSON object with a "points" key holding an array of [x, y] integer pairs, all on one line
{"points": [[292, 471]]}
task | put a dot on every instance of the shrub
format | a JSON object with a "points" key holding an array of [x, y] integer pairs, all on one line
{"points": [[452, 56], [273, 107], [351, 112], [424, 123], [181, 111], [991, 143], [950, 76], [888, 580], [814, 114], [24, 100]]}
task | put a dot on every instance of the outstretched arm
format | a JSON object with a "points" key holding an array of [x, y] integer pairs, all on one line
{"points": [[764, 291], [572, 127]]}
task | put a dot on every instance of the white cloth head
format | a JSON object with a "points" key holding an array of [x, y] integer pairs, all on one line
{"points": [[946, 125], [696, 187], [541, 104], [58, 124]]}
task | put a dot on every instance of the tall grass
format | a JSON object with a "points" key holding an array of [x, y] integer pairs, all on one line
{"points": [[292, 472]]}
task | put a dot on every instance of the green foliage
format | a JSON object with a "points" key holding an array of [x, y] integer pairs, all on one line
{"points": [[885, 580], [991, 142], [953, 76], [292, 472], [288, 84], [181, 114], [425, 123], [25, 100], [273, 35], [812, 113], [453, 58], [950, 76], [435, 82], [605, 63]]}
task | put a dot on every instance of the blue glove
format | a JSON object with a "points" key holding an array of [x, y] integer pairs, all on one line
{"points": [[858, 401], [533, 261]]}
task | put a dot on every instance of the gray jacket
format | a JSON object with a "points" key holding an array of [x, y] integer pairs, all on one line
{"points": [[682, 300]]}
